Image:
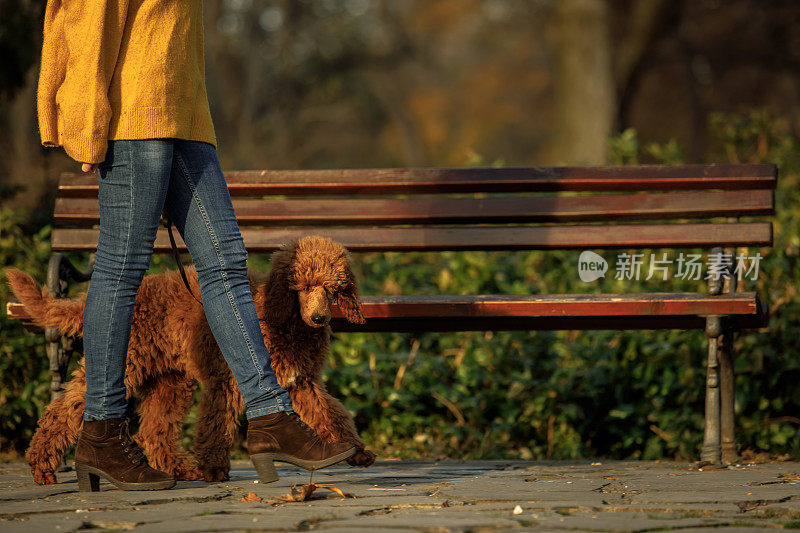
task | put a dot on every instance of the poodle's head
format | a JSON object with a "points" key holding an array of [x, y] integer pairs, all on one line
{"points": [[308, 275]]}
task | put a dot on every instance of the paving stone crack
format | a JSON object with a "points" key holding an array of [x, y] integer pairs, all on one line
{"points": [[688, 526], [12, 500], [749, 505], [21, 515], [109, 525], [386, 509]]}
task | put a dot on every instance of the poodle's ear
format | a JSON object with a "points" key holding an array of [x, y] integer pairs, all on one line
{"points": [[348, 299], [280, 299]]}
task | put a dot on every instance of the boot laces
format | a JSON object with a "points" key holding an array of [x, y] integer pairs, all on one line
{"points": [[130, 446], [308, 429]]}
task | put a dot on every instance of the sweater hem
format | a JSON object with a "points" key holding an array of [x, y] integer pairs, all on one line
{"points": [[162, 122]]}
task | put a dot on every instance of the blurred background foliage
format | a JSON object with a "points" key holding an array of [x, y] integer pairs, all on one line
{"points": [[380, 83], [363, 83]]}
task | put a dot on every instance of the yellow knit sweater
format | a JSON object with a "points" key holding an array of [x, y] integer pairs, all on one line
{"points": [[122, 69]]}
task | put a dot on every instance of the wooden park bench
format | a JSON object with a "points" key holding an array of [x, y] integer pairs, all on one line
{"points": [[538, 208]]}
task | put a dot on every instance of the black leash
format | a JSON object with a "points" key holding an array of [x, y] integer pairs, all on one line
{"points": [[168, 225]]}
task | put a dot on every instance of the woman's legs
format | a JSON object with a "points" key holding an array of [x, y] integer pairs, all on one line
{"points": [[132, 191], [199, 204], [136, 181], [133, 183]]}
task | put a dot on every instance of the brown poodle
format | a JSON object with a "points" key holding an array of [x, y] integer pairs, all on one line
{"points": [[171, 346]]}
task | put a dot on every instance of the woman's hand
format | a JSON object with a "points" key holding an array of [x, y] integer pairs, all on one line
{"points": [[89, 167]]}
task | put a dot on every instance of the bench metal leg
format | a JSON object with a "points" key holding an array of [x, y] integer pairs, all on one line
{"points": [[727, 384], [58, 286], [60, 349], [719, 442], [727, 436], [711, 438], [58, 353]]}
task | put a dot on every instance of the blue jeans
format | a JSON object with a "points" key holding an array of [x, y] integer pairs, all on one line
{"points": [[137, 180]]}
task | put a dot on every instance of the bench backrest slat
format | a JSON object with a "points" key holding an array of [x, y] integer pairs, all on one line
{"points": [[430, 209], [475, 208], [508, 179], [542, 237]]}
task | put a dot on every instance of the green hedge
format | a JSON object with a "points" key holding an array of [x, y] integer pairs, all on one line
{"points": [[24, 375], [630, 394]]}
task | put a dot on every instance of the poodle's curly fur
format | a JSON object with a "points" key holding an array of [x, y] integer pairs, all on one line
{"points": [[171, 345]]}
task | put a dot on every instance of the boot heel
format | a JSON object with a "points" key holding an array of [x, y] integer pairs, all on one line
{"points": [[265, 467], [87, 482]]}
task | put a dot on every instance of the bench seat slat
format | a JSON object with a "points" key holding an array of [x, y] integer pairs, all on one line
{"points": [[510, 179], [415, 325], [553, 312], [442, 210], [560, 305], [541, 305], [16, 311], [556, 311], [377, 238]]}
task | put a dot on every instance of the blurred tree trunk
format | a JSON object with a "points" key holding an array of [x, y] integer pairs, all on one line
{"points": [[641, 23], [584, 89], [218, 79]]}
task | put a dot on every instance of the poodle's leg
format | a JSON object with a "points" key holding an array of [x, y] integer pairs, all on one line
{"points": [[57, 430], [221, 404], [164, 402], [329, 418]]}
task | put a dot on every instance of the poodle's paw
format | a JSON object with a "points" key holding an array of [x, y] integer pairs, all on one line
{"points": [[188, 474], [180, 467], [362, 457], [43, 477], [216, 473]]}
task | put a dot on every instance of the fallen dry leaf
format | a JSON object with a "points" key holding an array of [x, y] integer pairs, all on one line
{"points": [[337, 490], [301, 493], [251, 498]]}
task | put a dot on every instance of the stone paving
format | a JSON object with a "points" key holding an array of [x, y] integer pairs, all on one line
{"points": [[435, 496]]}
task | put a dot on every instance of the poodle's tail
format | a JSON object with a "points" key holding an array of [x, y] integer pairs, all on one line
{"points": [[66, 314]]}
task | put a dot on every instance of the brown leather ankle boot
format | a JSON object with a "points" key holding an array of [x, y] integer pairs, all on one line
{"points": [[284, 437], [105, 448]]}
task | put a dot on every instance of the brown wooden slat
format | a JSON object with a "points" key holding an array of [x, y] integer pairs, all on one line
{"points": [[415, 325], [540, 312], [553, 312], [15, 310], [540, 305], [377, 238], [482, 179], [559, 305], [379, 325], [429, 209]]}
